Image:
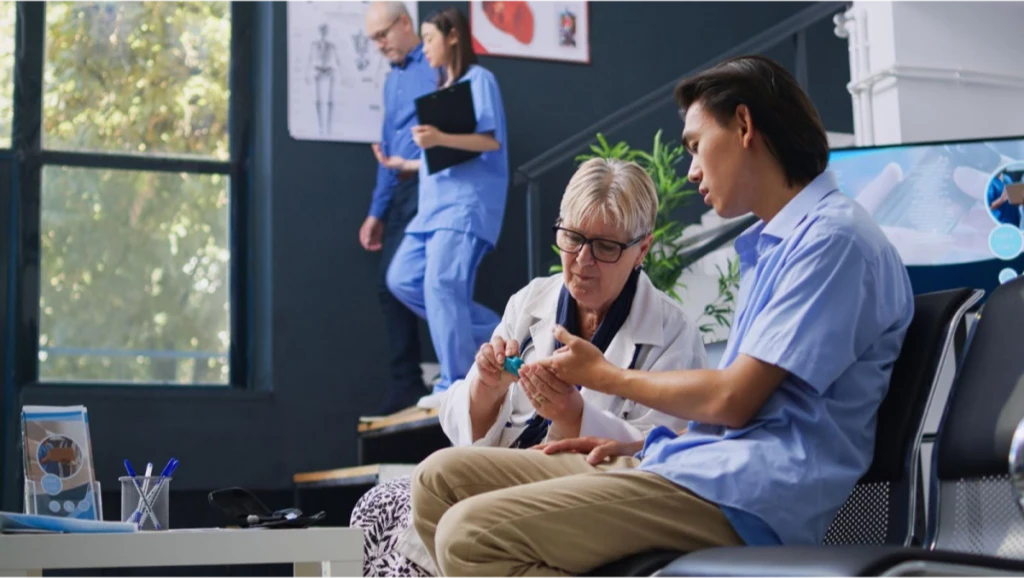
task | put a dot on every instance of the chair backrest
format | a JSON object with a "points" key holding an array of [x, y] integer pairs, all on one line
{"points": [[972, 501], [884, 506]]}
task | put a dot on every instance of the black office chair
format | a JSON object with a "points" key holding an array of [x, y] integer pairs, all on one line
{"points": [[974, 524], [884, 507]]}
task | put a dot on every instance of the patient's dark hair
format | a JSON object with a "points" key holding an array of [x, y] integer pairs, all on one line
{"points": [[779, 108], [452, 19]]}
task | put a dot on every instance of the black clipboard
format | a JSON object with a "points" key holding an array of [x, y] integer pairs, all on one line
{"points": [[449, 110]]}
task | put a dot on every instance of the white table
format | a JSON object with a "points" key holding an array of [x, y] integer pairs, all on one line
{"points": [[312, 551]]}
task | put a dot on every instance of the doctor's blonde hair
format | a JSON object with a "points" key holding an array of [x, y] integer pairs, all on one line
{"points": [[619, 192]]}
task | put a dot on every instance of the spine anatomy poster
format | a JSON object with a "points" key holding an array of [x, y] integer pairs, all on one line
{"points": [[541, 30], [335, 73]]}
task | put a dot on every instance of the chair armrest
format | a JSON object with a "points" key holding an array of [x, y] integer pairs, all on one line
{"points": [[789, 561], [835, 561], [643, 564], [1016, 459]]}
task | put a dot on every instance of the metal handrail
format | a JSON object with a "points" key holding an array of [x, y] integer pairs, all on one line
{"points": [[707, 242], [766, 40], [529, 173]]}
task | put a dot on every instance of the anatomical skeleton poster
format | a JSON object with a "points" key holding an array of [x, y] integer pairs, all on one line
{"points": [[335, 73]]}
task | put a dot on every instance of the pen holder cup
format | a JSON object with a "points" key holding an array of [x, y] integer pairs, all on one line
{"points": [[74, 504], [145, 501]]}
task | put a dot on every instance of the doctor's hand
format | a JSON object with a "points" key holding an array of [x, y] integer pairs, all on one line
{"points": [[492, 378], [371, 234], [551, 397], [394, 162], [426, 136], [579, 361], [597, 449]]}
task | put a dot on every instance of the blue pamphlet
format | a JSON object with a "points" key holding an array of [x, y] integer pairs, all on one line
{"points": [[11, 523], [59, 476]]}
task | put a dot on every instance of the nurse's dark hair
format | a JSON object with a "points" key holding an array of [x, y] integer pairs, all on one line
{"points": [[448, 21], [780, 110]]}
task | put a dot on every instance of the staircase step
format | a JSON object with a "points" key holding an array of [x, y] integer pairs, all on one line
{"points": [[367, 475], [407, 419], [405, 438]]}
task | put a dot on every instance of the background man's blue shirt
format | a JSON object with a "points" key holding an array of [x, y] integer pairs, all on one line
{"points": [[404, 84], [825, 296]]}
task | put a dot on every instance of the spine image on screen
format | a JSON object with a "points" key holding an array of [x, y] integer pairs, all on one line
{"points": [[941, 204]]}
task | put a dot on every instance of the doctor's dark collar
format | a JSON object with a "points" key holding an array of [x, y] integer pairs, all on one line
{"points": [[643, 327]]}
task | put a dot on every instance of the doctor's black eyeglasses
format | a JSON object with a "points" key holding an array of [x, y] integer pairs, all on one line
{"points": [[603, 250]]}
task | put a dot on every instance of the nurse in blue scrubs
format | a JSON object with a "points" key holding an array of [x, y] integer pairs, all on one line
{"points": [[999, 205], [460, 208]]}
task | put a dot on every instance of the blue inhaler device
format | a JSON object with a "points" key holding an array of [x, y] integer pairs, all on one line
{"points": [[512, 365]]}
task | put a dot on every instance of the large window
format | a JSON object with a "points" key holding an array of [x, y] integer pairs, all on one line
{"points": [[136, 190], [135, 276], [137, 78]]}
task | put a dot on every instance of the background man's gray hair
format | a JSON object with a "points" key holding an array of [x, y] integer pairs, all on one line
{"points": [[394, 9]]}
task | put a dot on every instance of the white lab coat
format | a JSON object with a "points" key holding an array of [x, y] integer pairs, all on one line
{"points": [[667, 340]]}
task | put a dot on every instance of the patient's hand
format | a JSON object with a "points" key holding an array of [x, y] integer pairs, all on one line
{"points": [[492, 378], [597, 449], [553, 398]]}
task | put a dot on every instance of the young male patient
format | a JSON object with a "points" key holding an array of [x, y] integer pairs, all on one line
{"points": [[778, 436]]}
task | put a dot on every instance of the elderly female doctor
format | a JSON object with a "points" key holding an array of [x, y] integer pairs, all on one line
{"points": [[603, 234]]}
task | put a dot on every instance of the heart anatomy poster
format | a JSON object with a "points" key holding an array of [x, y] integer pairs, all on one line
{"points": [[541, 30]]}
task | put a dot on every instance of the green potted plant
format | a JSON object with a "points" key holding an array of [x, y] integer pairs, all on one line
{"points": [[669, 256]]}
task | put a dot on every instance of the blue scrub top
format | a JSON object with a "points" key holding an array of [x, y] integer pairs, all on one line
{"points": [[825, 296], [1007, 213], [470, 197]]}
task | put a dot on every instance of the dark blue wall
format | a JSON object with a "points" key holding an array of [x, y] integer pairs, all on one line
{"points": [[320, 339]]}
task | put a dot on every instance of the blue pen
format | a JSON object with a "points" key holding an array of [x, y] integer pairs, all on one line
{"points": [[169, 468], [145, 499], [131, 472], [172, 465]]}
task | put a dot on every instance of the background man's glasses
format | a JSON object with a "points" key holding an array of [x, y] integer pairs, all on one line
{"points": [[380, 36]]}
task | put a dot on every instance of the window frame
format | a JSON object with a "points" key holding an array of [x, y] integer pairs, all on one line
{"points": [[20, 207]]}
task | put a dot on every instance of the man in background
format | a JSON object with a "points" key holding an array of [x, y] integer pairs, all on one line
{"points": [[390, 27]]}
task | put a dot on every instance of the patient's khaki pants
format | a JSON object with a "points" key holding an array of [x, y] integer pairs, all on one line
{"points": [[505, 512]]}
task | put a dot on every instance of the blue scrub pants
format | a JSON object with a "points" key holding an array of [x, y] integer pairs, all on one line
{"points": [[433, 275]]}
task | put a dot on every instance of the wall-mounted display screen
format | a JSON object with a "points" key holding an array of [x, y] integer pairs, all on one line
{"points": [[944, 204]]}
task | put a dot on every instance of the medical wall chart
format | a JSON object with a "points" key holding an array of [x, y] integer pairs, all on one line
{"points": [[335, 73], [539, 30]]}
